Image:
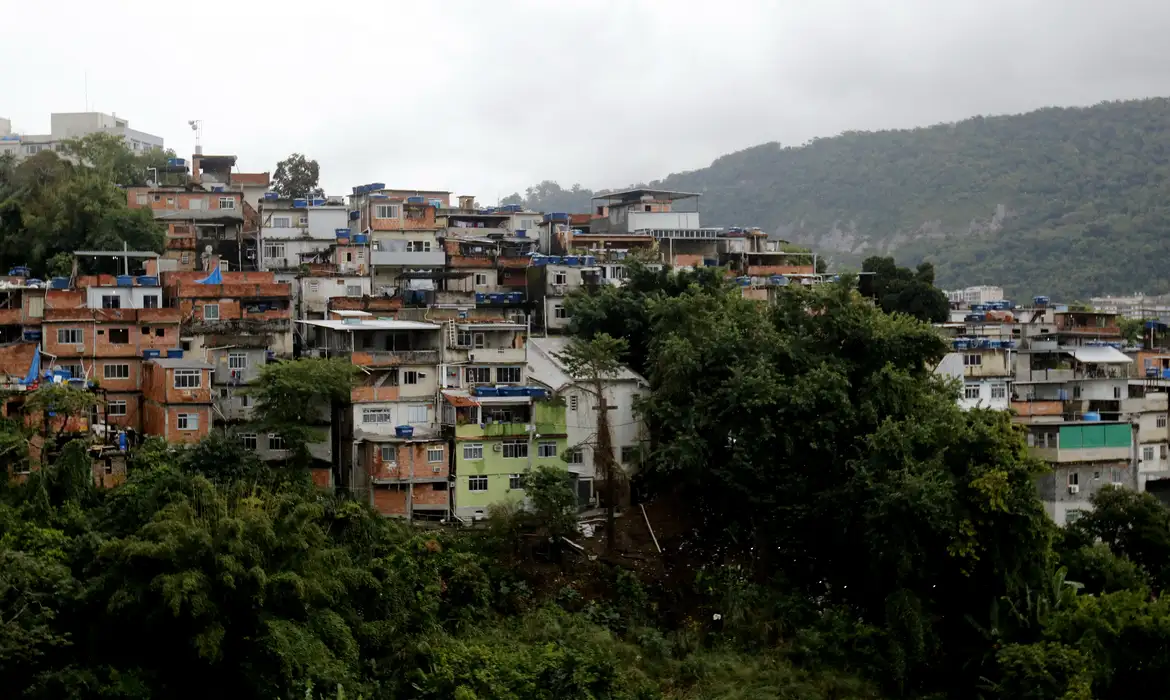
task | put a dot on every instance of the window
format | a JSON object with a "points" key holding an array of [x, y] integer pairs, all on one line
{"points": [[111, 301], [481, 279], [36, 307], [1073, 479], [1077, 391], [377, 415], [195, 203], [418, 246], [361, 254], [559, 312], [116, 372], [1071, 516], [546, 449], [275, 442], [33, 148], [185, 258], [463, 339], [211, 312], [1115, 475], [1148, 454], [573, 402], [1163, 451], [416, 413], [629, 454], [170, 201], [74, 370], [515, 449], [410, 376], [999, 391], [560, 278], [141, 200], [477, 483], [434, 455], [150, 301], [281, 222], [304, 220], [971, 391], [473, 450], [479, 375], [507, 375], [1117, 392], [188, 379], [575, 456], [119, 336], [352, 290], [386, 211], [477, 340], [188, 421], [516, 482], [248, 440], [387, 454], [70, 336], [972, 360], [227, 202], [274, 250], [1161, 420], [237, 360], [116, 408]]}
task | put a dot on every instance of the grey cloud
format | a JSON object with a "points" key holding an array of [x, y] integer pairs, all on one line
{"points": [[488, 97]]}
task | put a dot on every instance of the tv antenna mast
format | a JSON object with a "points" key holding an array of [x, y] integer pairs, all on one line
{"points": [[197, 126]]}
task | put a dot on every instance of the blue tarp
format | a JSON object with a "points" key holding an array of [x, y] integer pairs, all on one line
{"points": [[213, 278], [34, 369]]}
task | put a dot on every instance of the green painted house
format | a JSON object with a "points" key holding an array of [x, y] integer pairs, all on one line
{"points": [[495, 441]]}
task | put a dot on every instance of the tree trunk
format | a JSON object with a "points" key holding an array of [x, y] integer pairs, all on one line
{"points": [[603, 458]]}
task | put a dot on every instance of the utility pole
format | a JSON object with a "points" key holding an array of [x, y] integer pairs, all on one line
{"points": [[410, 488], [603, 461]]}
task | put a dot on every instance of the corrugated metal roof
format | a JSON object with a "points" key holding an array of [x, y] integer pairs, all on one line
{"points": [[1099, 355]]}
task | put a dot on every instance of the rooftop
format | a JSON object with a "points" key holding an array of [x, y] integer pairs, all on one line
{"points": [[546, 367], [375, 325], [635, 195], [181, 363], [234, 215]]}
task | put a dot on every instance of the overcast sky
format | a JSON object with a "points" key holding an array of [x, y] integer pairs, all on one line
{"points": [[486, 97]]}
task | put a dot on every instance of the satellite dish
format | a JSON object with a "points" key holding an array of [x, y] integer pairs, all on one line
{"points": [[207, 249]]}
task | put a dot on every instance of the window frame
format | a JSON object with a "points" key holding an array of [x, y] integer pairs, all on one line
{"points": [[512, 371], [471, 449], [392, 211], [278, 440], [515, 482], [106, 371], [187, 374], [117, 403], [377, 415], [206, 309], [968, 388], [189, 420], [546, 449], [234, 356], [79, 332], [230, 203], [517, 448], [435, 455], [392, 458], [477, 483], [245, 438]]}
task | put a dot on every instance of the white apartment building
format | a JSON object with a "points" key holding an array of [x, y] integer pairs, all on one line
{"points": [[975, 295], [70, 125]]}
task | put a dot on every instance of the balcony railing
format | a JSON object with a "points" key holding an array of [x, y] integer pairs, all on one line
{"points": [[393, 358]]}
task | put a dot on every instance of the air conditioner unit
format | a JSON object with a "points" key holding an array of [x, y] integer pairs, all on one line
{"points": [[497, 447], [79, 348], [1074, 488], [436, 469]]}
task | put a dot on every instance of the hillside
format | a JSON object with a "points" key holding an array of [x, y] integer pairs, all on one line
{"points": [[1069, 202]]}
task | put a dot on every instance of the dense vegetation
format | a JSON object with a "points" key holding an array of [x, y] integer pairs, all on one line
{"points": [[1083, 195], [52, 206]]}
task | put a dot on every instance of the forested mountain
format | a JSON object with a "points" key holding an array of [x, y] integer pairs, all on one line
{"points": [[1062, 201]]}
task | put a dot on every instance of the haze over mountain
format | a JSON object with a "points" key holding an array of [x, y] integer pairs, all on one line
{"points": [[1069, 202]]}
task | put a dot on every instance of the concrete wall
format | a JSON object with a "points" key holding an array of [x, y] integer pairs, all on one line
{"points": [[128, 297], [625, 427], [1091, 478]]}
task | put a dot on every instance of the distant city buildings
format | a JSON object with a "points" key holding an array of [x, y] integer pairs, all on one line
{"points": [[975, 295], [71, 125]]}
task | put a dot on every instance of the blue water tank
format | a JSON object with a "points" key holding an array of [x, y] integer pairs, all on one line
{"points": [[404, 431], [572, 260], [1093, 416], [590, 260], [59, 283], [148, 354], [300, 203], [147, 281], [124, 281], [516, 297], [361, 238], [175, 352], [271, 195], [319, 202], [521, 233], [355, 215], [416, 200], [1041, 301], [19, 271]]}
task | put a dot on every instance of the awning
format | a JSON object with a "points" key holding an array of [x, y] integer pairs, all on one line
{"points": [[460, 400], [1100, 355]]}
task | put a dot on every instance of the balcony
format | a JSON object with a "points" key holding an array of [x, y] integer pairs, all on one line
{"points": [[1072, 375], [394, 358], [1083, 442], [402, 258], [1038, 408], [492, 430], [498, 355]]}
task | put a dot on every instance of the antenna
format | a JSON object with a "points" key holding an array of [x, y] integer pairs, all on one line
{"points": [[197, 126]]}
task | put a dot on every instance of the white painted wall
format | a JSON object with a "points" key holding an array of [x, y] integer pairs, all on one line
{"points": [[129, 297]]}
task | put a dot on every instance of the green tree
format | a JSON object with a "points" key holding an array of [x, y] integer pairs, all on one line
{"points": [[297, 176], [1133, 525], [108, 156], [900, 290], [592, 362], [293, 399]]}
